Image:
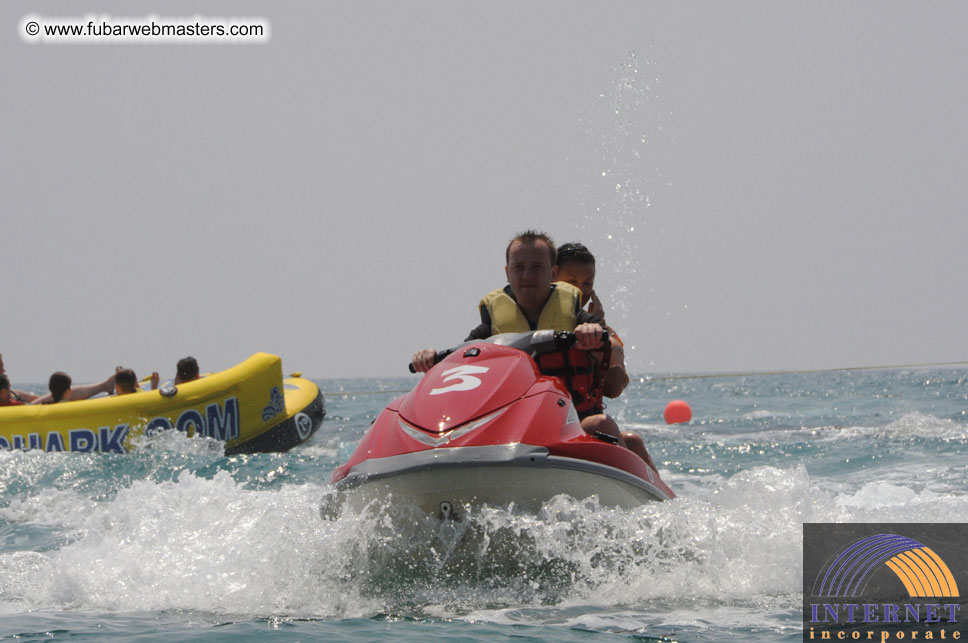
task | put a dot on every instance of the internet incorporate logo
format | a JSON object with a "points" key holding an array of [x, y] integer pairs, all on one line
{"points": [[922, 571], [875, 582]]}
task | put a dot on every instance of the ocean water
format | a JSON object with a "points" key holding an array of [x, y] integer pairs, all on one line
{"points": [[178, 542]]}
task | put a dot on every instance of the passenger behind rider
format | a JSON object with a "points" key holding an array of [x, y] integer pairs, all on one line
{"points": [[6, 397], [576, 266], [532, 301]]}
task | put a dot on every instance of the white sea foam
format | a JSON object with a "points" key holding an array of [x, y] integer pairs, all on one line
{"points": [[908, 426], [912, 425], [179, 442], [759, 414], [211, 544], [331, 449], [193, 543]]}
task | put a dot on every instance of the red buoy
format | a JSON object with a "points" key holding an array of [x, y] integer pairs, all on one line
{"points": [[677, 411]]}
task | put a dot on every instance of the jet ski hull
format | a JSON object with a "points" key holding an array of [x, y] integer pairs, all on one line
{"points": [[519, 475], [486, 427]]}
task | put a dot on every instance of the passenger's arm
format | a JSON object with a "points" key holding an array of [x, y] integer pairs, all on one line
{"points": [[595, 307], [616, 378], [585, 317]]}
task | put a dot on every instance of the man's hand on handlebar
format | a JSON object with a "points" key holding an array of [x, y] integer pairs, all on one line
{"points": [[423, 360], [588, 336]]}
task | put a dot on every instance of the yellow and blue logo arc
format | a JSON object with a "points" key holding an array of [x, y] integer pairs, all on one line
{"points": [[920, 569]]}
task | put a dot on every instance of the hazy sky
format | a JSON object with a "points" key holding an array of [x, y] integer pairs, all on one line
{"points": [[767, 185]]}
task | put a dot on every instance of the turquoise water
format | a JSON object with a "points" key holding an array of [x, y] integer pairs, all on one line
{"points": [[178, 542]]}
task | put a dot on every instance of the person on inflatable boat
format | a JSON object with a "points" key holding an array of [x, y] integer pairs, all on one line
{"points": [[15, 395], [532, 302], [125, 381], [6, 396], [186, 370], [62, 391]]}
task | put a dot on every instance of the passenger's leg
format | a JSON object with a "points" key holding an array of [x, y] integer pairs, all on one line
{"points": [[635, 444], [601, 423]]}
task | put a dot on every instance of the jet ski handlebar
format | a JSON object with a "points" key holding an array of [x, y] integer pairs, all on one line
{"points": [[535, 343], [549, 341]]}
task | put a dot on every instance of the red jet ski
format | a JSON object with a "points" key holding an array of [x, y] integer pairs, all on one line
{"points": [[484, 426]]}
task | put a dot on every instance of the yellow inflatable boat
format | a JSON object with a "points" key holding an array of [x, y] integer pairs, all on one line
{"points": [[250, 407]]}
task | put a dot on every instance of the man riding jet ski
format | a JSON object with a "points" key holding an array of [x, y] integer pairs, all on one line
{"points": [[498, 420], [533, 302]]}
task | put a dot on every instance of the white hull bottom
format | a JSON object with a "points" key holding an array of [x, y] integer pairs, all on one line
{"points": [[442, 481]]}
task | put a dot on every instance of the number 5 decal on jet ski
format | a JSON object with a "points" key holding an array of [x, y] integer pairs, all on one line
{"points": [[464, 374]]}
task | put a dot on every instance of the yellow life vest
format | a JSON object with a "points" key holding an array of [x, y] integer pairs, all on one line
{"points": [[559, 312]]}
